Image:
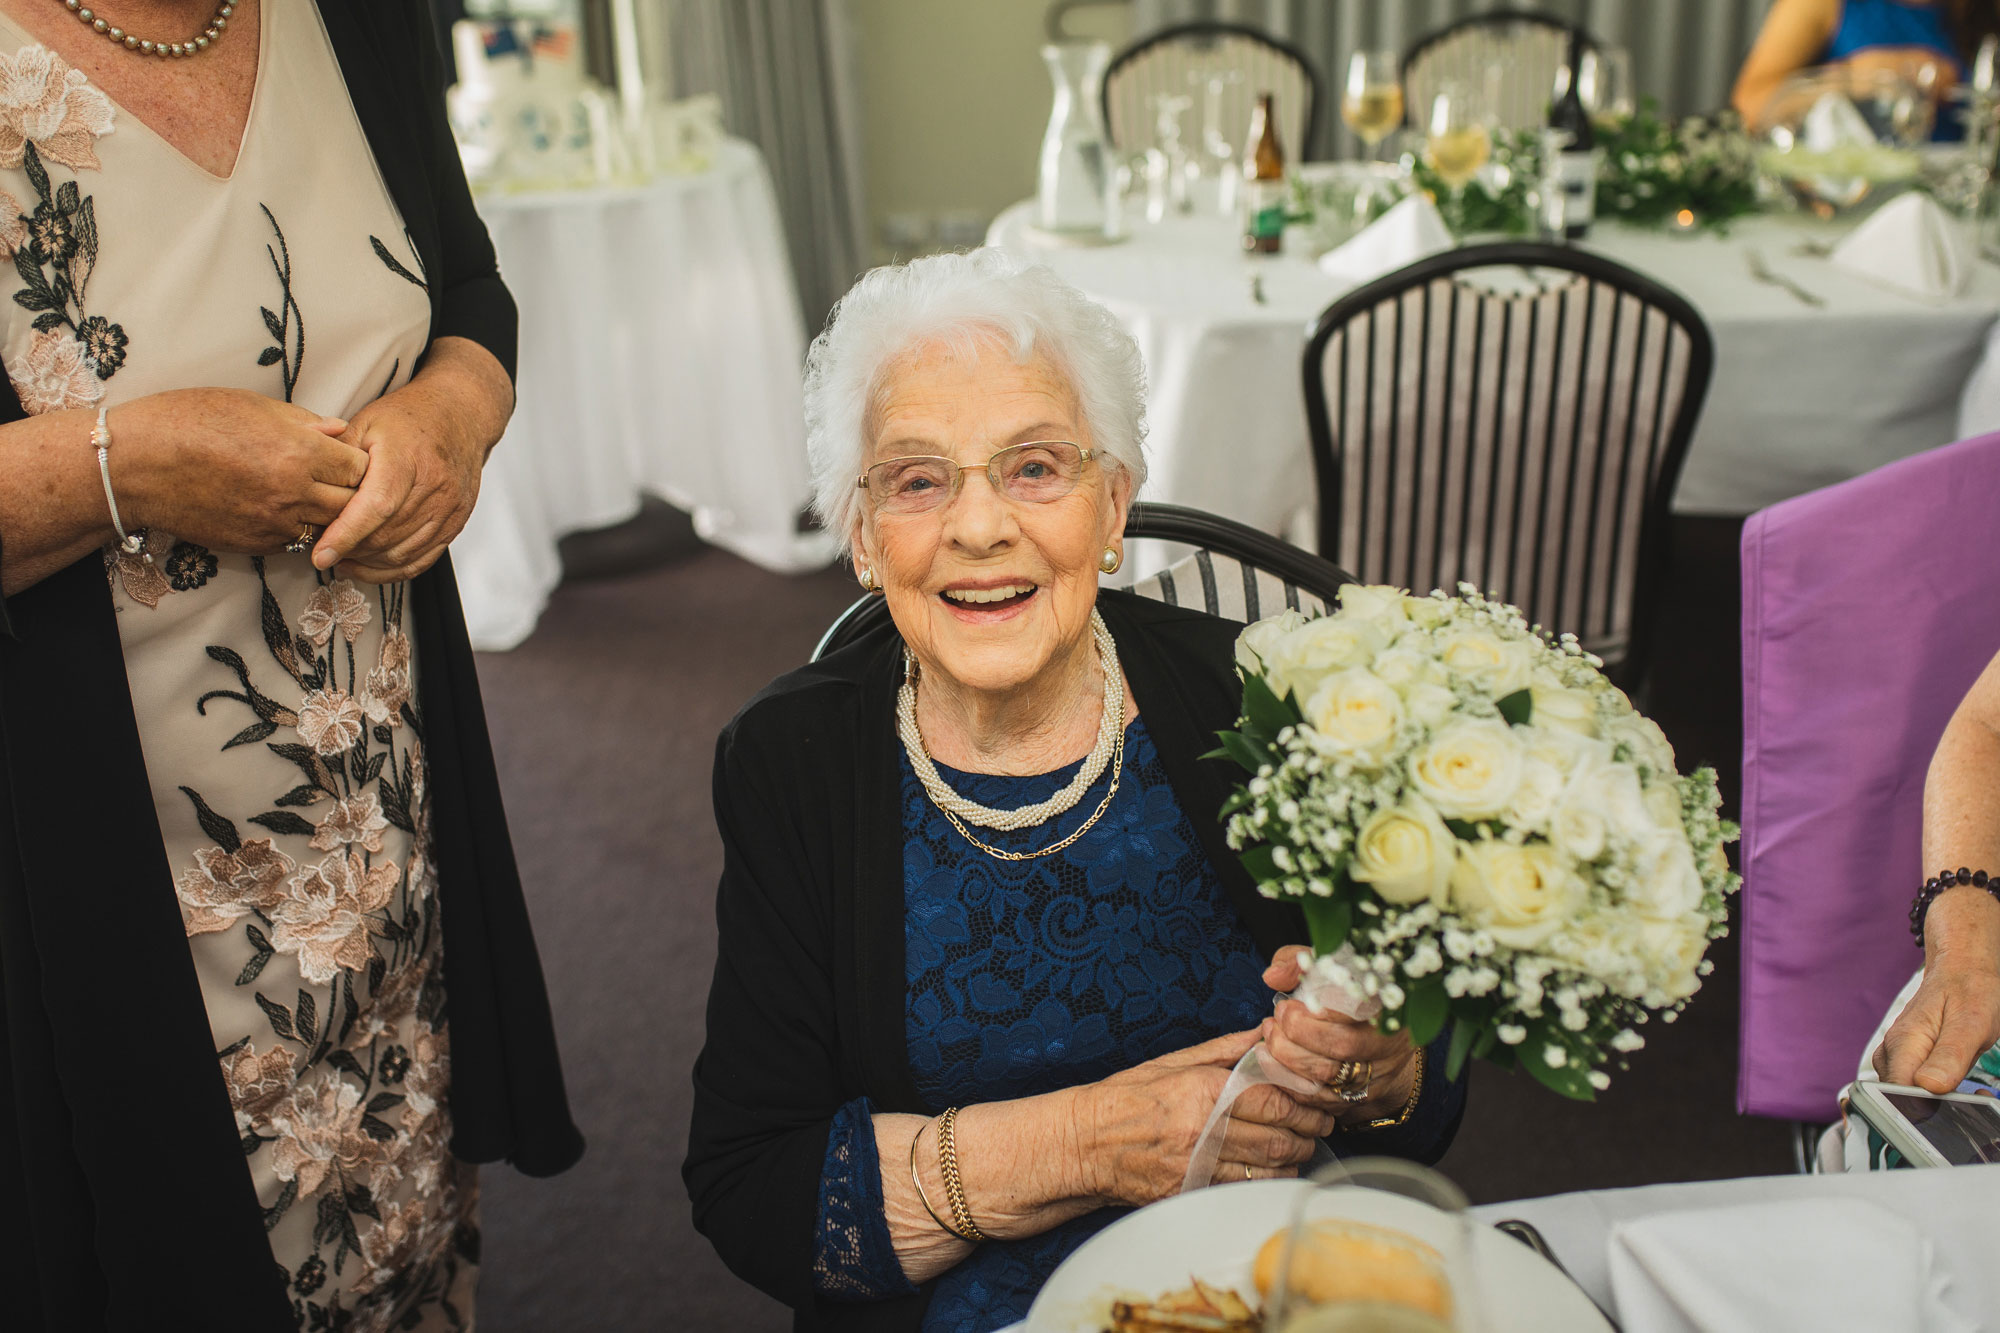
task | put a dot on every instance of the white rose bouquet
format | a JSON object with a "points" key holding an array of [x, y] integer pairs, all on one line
{"points": [[1493, 832]]}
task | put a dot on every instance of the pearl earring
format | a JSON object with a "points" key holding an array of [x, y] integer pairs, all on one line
{"points": [[867, 580], [1113, 558]]}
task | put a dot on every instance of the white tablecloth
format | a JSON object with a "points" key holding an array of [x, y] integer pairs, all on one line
{"points": [[1801, 398], [1957, 1208], [661, 345]]}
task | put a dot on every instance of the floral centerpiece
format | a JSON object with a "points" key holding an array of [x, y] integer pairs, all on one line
{"points": [[1481, 829]]}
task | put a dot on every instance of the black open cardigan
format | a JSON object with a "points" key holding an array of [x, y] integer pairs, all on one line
{"points": [[806, 1011], [124, 1202]]}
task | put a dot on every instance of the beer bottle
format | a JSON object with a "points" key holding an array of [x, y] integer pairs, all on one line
{"points": [[1264, 183]]}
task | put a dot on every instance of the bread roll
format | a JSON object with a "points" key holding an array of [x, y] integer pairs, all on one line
{"points": [[1349, 1261]]}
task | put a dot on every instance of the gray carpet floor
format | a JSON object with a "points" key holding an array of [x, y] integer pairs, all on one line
{"points": [[604, 723]]}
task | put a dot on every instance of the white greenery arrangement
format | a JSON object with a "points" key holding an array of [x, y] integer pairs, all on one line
{"points": [[1481, 829]]}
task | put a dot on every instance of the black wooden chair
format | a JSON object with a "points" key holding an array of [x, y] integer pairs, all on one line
{"points": [[1234, 571], [1513, 416], [1162, 62], [1523, 51]]}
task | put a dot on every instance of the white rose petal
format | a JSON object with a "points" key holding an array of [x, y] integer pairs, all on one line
{"points": [[1354, 715], [1405, 853], [1535, 798], [1324, 647], [1470, 769], [1257, 645], [1378, 603], [1497, 666], [1560, 708]]}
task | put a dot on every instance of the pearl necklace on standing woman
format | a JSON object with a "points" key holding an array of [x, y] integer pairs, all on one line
{"points": [[193, 46], [1109, 750]]}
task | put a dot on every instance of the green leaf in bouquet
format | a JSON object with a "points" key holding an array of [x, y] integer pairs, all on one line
{"points": [[1328, 921], [1237, 801], [1569, 1078], [1265, 710], [1261, 862], [1517, 708], [1426, 1009], [1462, 1038], [1463, 830], [1244, 751]]}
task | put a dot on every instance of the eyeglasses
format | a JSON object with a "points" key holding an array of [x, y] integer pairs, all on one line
{"points": [[1032, 473]]}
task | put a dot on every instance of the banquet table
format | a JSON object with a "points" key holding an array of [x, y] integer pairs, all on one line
{"points": [[1802, 397], [661, 341]]}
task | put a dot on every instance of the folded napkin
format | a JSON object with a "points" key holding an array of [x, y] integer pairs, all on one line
{"points": [[1912, 246], [1403, 235], [1806, 1264]]}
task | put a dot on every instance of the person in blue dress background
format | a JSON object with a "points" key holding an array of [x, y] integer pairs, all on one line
{"points": [[985, 960], [1929, 42]]}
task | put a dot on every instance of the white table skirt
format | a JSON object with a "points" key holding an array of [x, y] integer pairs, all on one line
{"points": [[661, 347], [1801, 397], [1953, 1206]]}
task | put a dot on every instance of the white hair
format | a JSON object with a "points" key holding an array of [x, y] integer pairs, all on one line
{"points": [[963, 301]]}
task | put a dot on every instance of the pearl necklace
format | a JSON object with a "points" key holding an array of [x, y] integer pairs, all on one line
{"points": [[1109, 751], [212, 33]]}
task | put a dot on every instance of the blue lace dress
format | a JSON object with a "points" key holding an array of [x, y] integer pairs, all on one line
{"points": [[1027, 976]]}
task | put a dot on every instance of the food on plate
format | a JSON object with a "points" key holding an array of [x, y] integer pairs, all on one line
{"points": [[1200, 1308], [1354, 1263]]}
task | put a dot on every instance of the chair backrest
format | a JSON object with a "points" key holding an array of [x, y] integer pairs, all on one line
{"points": [[1176, 61], [1234, 571], [1507, 57], [1864, 623], [1512, 416]]}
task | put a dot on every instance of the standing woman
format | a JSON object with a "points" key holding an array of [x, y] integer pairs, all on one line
{"points": [[267, 984]]}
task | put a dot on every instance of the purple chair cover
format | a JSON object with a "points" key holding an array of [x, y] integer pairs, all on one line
{"points": [[1868, 610]]}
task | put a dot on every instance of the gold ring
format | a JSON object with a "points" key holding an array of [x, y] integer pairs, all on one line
{"points": [[302, 543], [1246, 1172]]}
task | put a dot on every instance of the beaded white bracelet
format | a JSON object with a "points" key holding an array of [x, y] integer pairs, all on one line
{"points": [[100, 439]]}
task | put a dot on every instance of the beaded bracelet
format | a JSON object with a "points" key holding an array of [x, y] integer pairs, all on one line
{"points": [[1945, 879]]}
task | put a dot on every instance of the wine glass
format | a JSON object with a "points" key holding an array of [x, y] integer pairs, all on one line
{"points": [[1371, 103], [1457, 142], [1604, 83], [1378, 1244]]}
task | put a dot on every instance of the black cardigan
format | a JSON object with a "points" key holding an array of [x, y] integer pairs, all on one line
{"points": [[124, 1202], [806, 1011]]}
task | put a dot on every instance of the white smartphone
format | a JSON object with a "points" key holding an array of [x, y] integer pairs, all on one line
{"points": [[1955, 1129]]}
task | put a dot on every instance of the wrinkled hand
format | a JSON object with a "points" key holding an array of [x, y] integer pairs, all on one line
{"points": [[1949, 1023], [1314, 1046], [229, 469], [422, 480], [1139, 1126]]}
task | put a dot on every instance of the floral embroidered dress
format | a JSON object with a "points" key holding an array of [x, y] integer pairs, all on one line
{"points": [[274, 703]]}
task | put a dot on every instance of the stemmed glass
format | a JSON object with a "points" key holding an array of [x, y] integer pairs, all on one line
{"points": [[1371, 102], [1457, 142], [1378, 1244], [1604, 83]]}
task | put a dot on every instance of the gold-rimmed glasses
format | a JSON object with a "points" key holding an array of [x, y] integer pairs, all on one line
{"points": [[1034, 472]]}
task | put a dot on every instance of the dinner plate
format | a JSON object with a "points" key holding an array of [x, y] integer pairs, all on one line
{"points": [[1214, 1234]]}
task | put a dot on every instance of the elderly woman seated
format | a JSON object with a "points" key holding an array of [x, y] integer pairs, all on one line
{"points": [[985, 960]]}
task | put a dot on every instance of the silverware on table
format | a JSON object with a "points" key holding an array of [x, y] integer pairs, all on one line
{"points": [[1763, 272], [1529, 1235]]}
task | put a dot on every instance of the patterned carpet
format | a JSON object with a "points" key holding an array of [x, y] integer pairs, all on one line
{"points": [[605, 723]]}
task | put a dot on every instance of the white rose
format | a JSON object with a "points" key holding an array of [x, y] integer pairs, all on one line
{"points": [[1674, 952], [1257, 646], [1426, 611], [1563, 750], [1577, 828], [1560, 708], [1354, 714], [1470, 769], [1431, 704], [1608, 946], [1663, 803], [1665, 883], [1406, 854], [1497, 666], [1324, 646], [1376, 603], [1643, 738], [1401, 667], [1534, 801], [1611, 788], [1520, 895]]}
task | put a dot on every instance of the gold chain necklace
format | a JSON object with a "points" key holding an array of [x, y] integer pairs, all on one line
{"points": [[193, 46]]}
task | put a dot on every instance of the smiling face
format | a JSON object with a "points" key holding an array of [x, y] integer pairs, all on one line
{"points": [[992, 594]]}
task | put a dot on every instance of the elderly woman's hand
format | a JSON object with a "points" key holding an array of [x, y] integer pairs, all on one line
{"points": [[1315, 1046], [1954, 1017], [1138, 1128], [426, 444]]}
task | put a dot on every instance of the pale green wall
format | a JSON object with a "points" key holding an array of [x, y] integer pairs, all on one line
{"points": [[954, 98]]}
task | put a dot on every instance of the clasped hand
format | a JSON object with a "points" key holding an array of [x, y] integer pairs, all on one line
{"points": [[416, 495]]}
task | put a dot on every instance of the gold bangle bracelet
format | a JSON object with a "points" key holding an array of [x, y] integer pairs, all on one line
{"points": [[1416, 1091], [954, 1188], [922, 1197]]}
